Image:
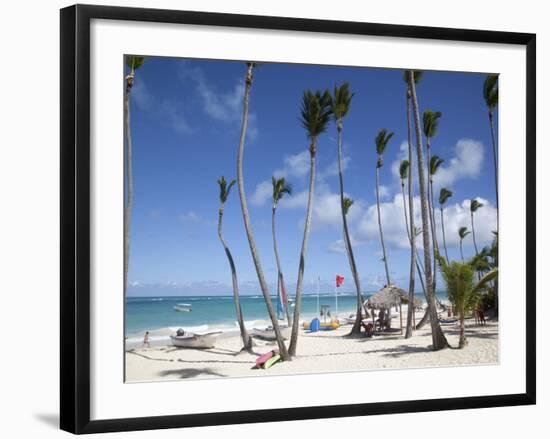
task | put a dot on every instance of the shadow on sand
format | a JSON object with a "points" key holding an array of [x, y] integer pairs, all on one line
{"points": [[190, 372]]}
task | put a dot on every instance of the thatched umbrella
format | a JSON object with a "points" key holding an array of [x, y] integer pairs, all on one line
{"points": [[388, 297]]}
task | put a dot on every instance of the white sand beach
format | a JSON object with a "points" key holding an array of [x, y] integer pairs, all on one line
{"points": [[325, 351]]}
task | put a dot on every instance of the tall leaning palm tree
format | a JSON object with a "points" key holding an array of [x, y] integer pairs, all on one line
{"points": [[490, 94], [444, 195], [280, 189], [246, 217], [474, 206], [438, 338], [133, 63], [340, 103], [315, 116], [462, 233], [404, 173], [416, 77], [225, 189], [381, 141]]}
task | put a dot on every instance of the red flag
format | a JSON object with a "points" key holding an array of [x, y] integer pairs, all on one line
{"points": [[339, 280]]}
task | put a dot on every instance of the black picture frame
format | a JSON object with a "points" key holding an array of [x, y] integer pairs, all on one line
{"points": [[75, 217]]}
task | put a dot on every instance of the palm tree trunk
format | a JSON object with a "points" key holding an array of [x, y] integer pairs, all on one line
{"points": [[473, 232], [356, 329], [380, 226], [307, 226], [281, 279], [462, 342], [495, 162], [438, 338], [443, 231], [129, 179], [461, 254], [410, 231], [246, 217], [247, 341]]}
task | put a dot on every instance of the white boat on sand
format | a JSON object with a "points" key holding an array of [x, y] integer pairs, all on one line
{"points": [[269, 333], [195, 341]]}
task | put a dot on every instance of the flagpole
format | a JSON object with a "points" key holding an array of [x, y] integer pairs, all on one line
{"points": [[336, 294]]}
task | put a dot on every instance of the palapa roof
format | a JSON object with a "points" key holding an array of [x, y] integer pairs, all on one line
{"points": [[387, 297]]}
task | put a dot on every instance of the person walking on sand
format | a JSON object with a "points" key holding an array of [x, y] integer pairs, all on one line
{"points": [[146, 342]]}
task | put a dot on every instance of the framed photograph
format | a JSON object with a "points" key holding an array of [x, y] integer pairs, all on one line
{"points": [[275, 218]]}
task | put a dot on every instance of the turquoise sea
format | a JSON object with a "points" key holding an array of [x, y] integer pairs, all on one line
{"points": [[157, 314]]}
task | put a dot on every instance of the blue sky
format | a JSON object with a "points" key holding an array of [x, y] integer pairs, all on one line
{"points": [[186, 117]]}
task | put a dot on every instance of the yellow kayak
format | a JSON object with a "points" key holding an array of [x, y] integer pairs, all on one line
{"points": [[328, 326]]}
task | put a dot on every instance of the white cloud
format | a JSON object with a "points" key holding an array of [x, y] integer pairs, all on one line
{"points": [[222, 106], [455, 216], [384, 191], [403, 154], [458, 215], [263, 192], [466, 164], [332, 169], [295, 165]]}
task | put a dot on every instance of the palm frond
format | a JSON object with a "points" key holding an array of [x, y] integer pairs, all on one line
{"points": [[444, 195], [404, 170], [381, 140], [134, 62], [280, 188], [315, 112], [430, 121], [463, 232], [474, 205], [225, 188], [435, 163], [490, 91], [340, 101]]}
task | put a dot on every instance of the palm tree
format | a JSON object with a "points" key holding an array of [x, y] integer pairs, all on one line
{"points": [[430, 125], [340, 103], [490, 94], [416, 76], [438, 338], [315, 116], [462, 233], [133, 63], [474, 205], [280, 189], [246, 217], [463, 292], [444, 195], [224, 194], [381, 141]]}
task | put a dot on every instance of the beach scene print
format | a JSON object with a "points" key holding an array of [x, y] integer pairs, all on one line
{"points": [[284, 219]]}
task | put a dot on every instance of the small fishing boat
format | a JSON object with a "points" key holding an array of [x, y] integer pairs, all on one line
{"points": [[184, 339], [269, 333], [183, 307]]}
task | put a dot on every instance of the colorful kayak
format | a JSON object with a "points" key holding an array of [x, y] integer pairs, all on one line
{"points": [[263, 358], [328, 326], [276, 358]]}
